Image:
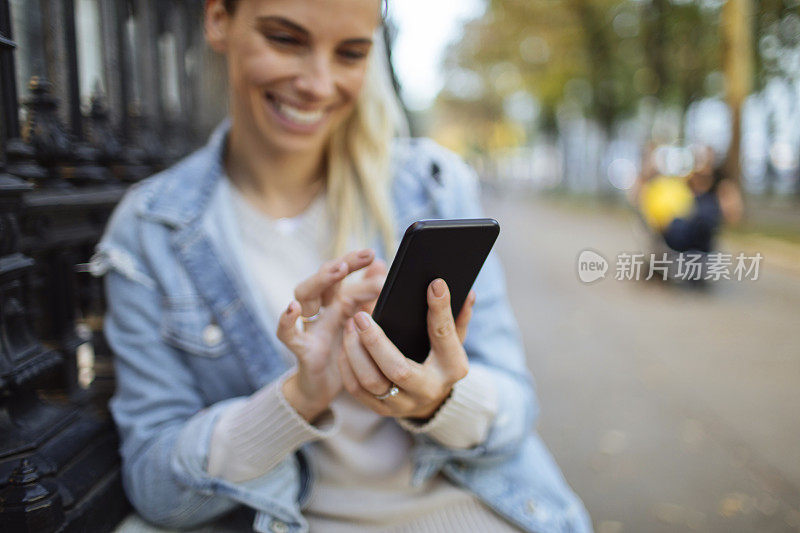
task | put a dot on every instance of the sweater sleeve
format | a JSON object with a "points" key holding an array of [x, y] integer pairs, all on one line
{"points": [[250, 438], [464, 419]]}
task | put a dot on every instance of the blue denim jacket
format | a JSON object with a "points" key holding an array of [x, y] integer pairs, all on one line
{"points": [[189, 339]]}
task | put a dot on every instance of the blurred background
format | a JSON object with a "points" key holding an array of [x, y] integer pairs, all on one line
{"points": [[670, 406], [617, 126]]}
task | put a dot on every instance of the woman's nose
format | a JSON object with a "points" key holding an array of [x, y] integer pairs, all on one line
{"points": [[316, 80]]}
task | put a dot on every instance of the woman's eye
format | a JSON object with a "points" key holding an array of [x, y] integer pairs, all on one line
{"points": [[282, 38], [352, 55]]}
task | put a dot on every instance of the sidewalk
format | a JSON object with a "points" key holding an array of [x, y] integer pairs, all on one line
{"points": [[778, 253], [776, 216], [772, 227]]}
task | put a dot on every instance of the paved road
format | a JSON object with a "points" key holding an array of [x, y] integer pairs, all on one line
{"points": [[667, 409]]}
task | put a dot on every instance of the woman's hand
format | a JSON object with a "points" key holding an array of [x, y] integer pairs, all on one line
{"points": [[370, 363], [376, 272], [317, 380]]}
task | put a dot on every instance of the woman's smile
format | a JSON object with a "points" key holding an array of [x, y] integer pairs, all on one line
{"points": [[296, 69], [296, 118]]}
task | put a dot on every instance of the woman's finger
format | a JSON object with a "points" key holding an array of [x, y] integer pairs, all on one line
{"points": [[287, 332], [377, 270], [464, 316], [352, 386], [441, 326], [355, 260], [402, 404], [399, 369], [309, 292], [354, 296], [320, 288], [367, 373]]}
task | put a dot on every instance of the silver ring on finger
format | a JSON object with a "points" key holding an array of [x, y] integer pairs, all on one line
{"points": [[312, 318], [393, 391]]}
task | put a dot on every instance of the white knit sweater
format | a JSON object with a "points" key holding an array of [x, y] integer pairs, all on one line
{"points": [[361, 460]]}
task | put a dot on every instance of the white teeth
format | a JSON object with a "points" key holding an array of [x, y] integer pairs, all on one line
{"points": [[298, 115]]}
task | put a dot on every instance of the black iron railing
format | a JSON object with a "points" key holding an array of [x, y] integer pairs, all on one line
{"points": [[63, 168]]}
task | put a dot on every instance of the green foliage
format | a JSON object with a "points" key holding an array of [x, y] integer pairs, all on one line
{"points": [[606, 56], [777, 29]]}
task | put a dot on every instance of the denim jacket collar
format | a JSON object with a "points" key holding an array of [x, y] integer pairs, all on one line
{"points": [[179, 208]]}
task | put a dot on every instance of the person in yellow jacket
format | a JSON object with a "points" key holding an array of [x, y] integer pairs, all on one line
{"points": [[688, 210]]}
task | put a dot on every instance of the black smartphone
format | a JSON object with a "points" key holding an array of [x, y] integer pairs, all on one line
{"points": [[451, 249]]}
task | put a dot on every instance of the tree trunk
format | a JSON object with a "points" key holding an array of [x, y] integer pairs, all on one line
{"points": [[737, 49]]}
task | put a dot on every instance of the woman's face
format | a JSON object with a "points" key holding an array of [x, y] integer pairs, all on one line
{"points": [[295, 67]]}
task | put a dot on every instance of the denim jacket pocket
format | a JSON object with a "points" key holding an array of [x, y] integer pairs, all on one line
{"points": [[189, 325]]}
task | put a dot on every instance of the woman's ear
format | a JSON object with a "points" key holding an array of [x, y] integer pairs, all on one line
{"points": [[216, 24]]}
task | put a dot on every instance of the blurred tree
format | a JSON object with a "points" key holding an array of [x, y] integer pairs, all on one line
{"points": [[777, 27], [777, 58], [601, 56], [737, 39], [603, 59]]}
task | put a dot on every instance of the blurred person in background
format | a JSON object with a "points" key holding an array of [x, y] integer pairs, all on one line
{"points": [[686, 212], [716, 201], [253, 388]]}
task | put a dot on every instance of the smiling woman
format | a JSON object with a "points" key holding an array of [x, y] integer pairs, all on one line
{"points": [[296, 72], [250, 376]]}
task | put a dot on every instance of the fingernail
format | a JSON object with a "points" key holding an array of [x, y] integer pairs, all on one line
{"points": [[362, 320], [438, 287], [365, 253]]}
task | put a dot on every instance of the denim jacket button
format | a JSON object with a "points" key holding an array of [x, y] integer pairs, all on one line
{"points": [[276, 526], [212, 334]]}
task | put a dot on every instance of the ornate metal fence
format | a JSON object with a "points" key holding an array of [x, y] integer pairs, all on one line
{"points": [[125, 75]]}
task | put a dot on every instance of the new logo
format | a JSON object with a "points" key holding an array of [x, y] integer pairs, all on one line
{"points": [[591, 266]]}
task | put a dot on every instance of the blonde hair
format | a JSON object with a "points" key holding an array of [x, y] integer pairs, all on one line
{"points": [[359, 160]]}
